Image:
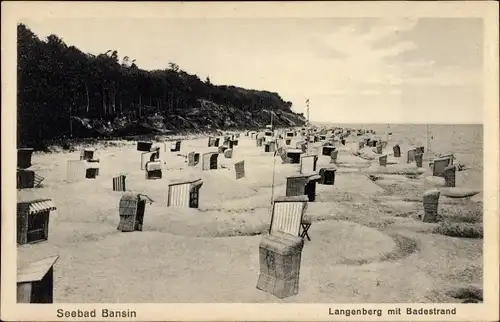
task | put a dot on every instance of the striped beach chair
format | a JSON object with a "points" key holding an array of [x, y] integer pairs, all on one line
{"points": [[119, 183], [288, 216], [184, 194], [38, 180], [76, 170]]}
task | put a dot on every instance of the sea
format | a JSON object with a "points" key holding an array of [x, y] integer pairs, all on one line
{"points": [[465, 141]]}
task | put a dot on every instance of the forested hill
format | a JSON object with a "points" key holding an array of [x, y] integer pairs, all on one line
{"points": [[104, 96]]}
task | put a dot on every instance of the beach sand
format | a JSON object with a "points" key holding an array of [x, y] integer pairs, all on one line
{"points": [[367, 241]]}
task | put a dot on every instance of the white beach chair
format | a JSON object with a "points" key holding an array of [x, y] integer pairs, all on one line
{"points": [[288, 216]]}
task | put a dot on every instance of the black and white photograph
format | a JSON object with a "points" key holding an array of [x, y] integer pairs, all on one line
{"points": [[225, 155]]}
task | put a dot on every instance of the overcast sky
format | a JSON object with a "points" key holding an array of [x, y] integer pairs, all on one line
{"points": [[426, 70]]}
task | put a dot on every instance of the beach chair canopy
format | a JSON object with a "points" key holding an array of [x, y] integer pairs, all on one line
{"points": [[37, 201], [40, 205], [36, 271]]}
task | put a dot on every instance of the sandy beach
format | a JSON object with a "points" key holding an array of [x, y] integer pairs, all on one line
{"points": [[368, 243]]}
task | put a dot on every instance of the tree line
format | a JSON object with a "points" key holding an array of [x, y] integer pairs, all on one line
{"points": [[57, 82]]}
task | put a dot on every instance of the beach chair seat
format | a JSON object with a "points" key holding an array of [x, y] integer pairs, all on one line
{"points": [[279, 261]]}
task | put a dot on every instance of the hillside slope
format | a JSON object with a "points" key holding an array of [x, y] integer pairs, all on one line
{"points": [[207, 116]]}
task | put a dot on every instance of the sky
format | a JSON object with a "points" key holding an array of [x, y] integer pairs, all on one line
{"points": [[353, 70]]}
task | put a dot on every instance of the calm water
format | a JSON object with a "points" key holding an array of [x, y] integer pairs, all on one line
{"points": [[464, 140]]}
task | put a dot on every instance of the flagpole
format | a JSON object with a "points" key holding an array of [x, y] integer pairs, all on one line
{"points": [[274, 169], [307, 105], [429, 141], [308, 127], [274, 157]]}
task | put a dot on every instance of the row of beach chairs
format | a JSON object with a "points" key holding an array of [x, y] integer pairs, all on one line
{"points": [[287, 230]]}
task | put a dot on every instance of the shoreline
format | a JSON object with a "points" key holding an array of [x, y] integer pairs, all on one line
{"points": [[66, 144]]}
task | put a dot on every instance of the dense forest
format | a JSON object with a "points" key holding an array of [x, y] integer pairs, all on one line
{"points": [[66, 93]]}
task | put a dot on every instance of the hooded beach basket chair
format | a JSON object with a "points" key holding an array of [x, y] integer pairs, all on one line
{"points": [[33, 219], [239, 168], [184, 194], [35, 281], [308, 164], [302, 184], [132, 209], [210, 161]]}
